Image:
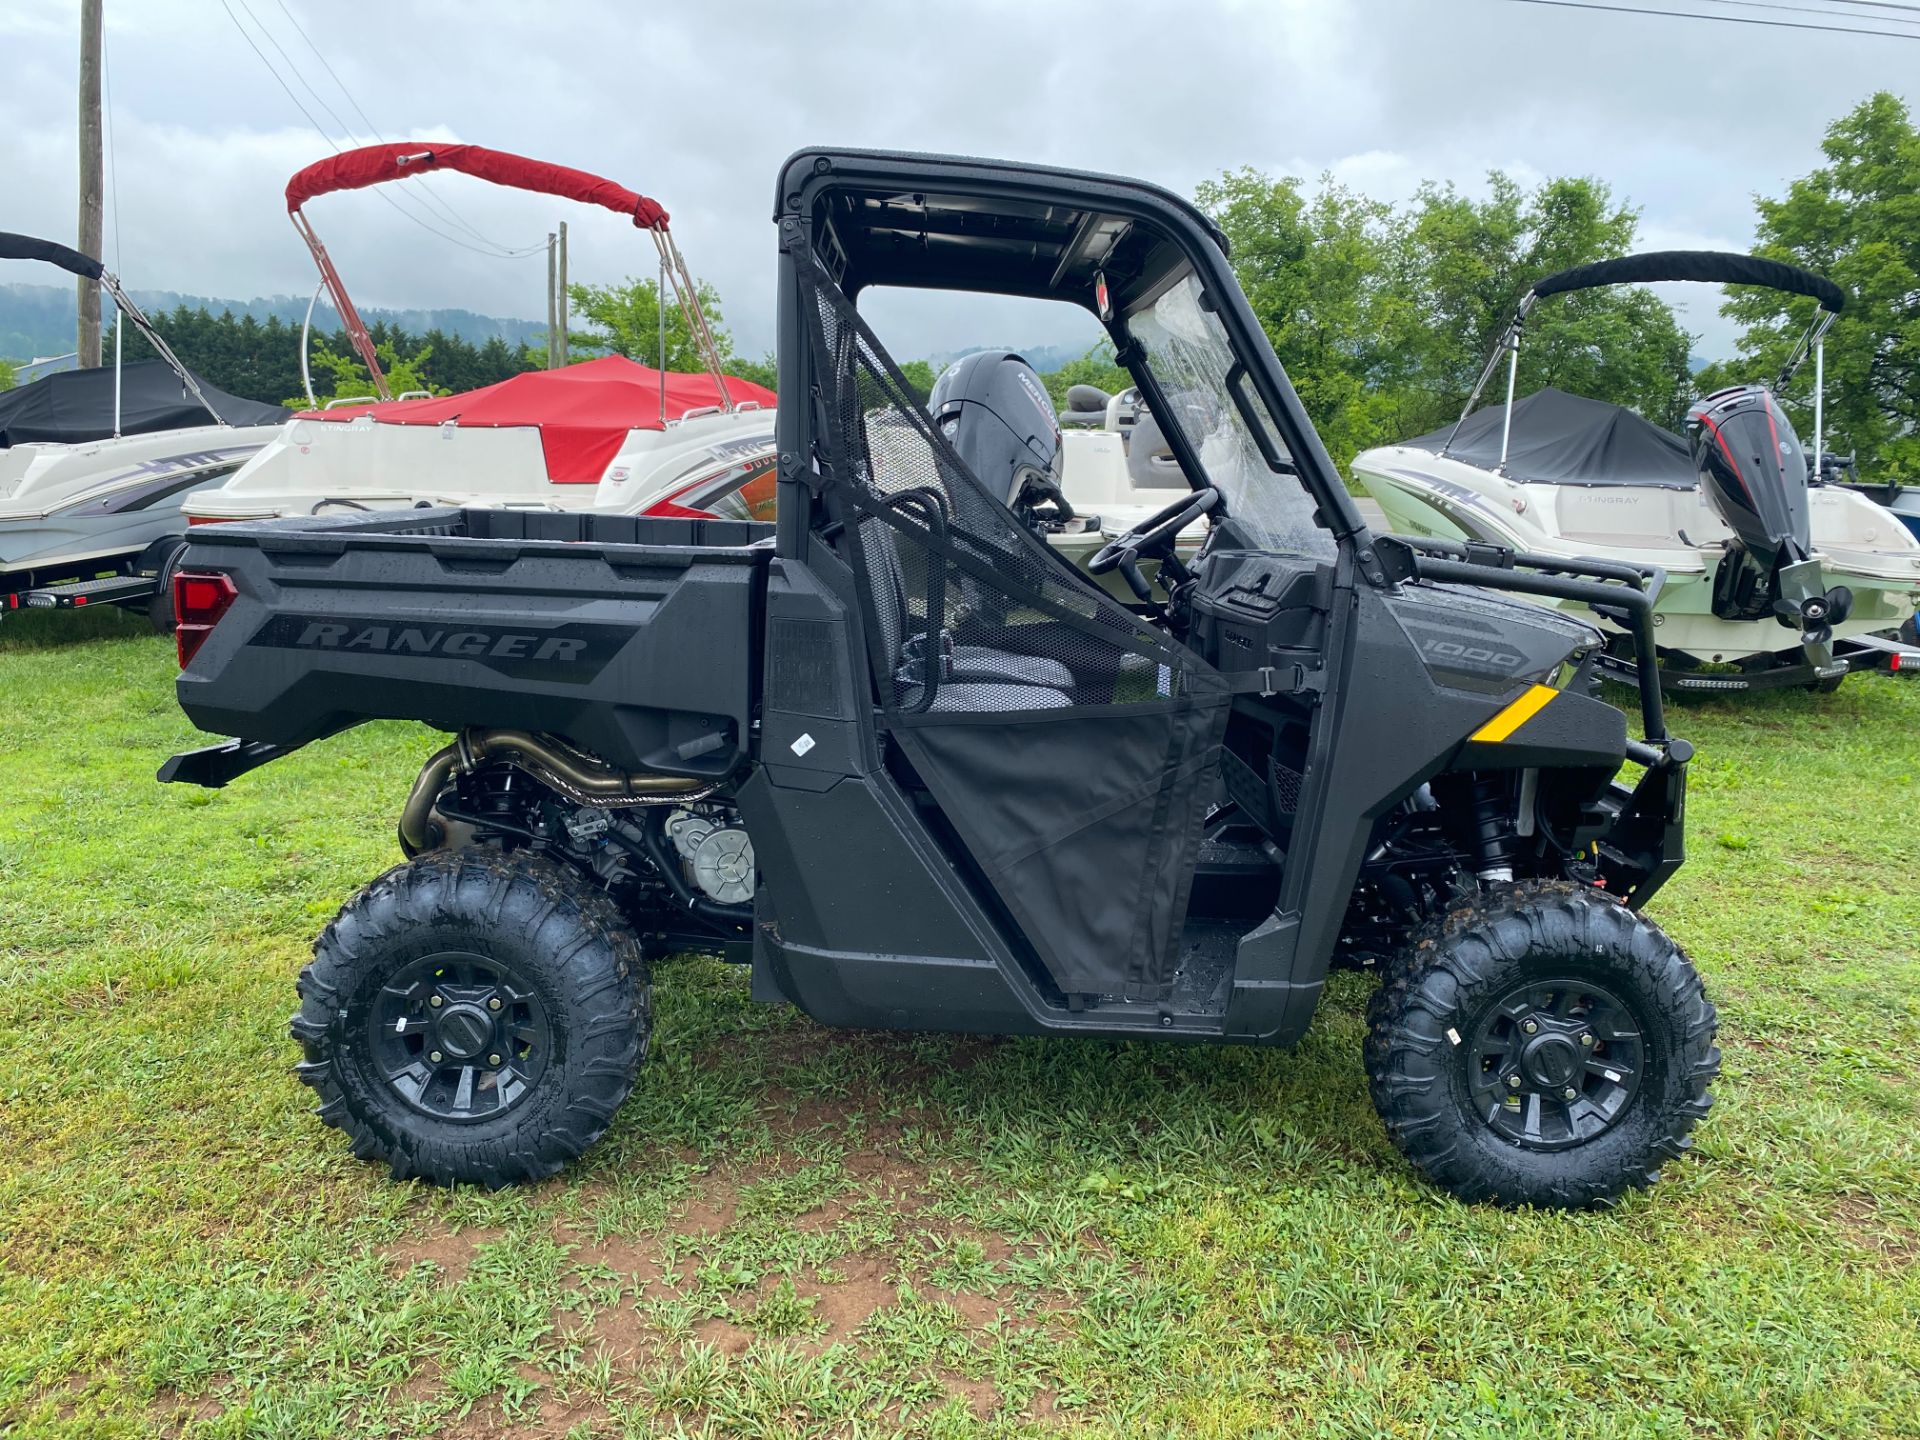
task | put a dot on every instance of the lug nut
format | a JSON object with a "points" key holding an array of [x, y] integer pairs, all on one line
{"points": [[436, 1057], [434, 1002], [494, 1004], [493, 1059], [1571, 1093], [1587, 1040], [1531, 1026], [1513, 1082]]}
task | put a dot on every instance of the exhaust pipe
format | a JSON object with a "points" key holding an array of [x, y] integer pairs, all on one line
{"points": [[574, 773]]}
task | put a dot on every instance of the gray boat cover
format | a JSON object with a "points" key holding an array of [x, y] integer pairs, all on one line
{"points": [[1563, 439], [74, 406]]}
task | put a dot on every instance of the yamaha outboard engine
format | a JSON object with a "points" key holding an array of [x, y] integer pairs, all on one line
{"points": [[1754, 473], [995, 412]]}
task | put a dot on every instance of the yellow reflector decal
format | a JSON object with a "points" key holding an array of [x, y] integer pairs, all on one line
{"points": [[1515, 715]]}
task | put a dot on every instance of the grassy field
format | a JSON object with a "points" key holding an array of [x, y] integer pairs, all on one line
{"points": [[793, 1231]]}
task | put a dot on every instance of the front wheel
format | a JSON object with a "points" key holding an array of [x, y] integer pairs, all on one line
{"points": [[473, 1017], [1543, 1046]]}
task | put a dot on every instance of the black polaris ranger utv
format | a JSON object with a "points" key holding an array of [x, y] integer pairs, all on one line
{"points": [[920, 774]]}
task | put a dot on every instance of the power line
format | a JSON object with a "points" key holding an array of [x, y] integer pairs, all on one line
{"points": [[425, 192], [321, 130], [1723, 19], [505, 252], [1800, 10]]}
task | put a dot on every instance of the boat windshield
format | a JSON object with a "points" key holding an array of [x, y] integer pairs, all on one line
{"points": [[1190, 354]]}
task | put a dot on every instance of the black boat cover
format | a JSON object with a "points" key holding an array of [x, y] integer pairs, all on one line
{"points": [[1717, 267], [1563, 439], [73, 406]]}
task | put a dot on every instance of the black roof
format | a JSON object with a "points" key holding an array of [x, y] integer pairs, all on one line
{"points": [[1563, 439], [77, 405]]}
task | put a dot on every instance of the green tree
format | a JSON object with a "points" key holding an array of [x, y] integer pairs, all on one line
{"points": [[7, 376], [921, 375], [1096, 367], [1322, 276], [764, 371], [1856, 220], [1383, 317], [338, 376], [624, 319], [1465, 265]]}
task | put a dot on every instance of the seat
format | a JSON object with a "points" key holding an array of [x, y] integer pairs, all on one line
{"points": [[984, 696], [1150, 461], [962, 666], [1086, 407]]}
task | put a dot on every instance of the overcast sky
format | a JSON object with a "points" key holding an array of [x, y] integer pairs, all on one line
{"points": [[697, 104]]}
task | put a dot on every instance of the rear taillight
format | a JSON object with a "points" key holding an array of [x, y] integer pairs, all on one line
{"points": [[198, 603]]}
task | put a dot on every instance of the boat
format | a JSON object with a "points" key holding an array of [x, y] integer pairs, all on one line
{"points": [[95, 462], [1079, 478], [545, 440], [1765, 576]]}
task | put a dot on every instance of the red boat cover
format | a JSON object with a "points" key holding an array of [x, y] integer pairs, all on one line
{"points": [[374, 164], [583, 412]]}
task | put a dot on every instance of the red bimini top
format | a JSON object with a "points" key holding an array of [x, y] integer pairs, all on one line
{"points": [[583, 411]]}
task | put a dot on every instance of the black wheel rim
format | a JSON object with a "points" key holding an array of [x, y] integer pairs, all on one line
{"points": [[457, 1036], [1554, 1063]]}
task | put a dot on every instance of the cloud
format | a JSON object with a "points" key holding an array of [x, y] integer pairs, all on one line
{"points": [[698, 105]]}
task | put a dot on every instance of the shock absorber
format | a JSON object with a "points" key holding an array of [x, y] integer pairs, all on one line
{"points": [[1495, 838]]}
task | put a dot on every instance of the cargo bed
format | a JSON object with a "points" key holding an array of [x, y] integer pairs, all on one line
{"points": [[634, 635]]}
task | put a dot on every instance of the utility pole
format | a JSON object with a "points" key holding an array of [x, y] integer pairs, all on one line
{"points": [[553, 315], [90, 186], [563, 293]]}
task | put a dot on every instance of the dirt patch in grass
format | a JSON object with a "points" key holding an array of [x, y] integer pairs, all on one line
{"points": [[448, 1250], [723, 1335], [845, 1304], [711, 1210], [173, 1413], [982, 1396], [1859, 1218]]}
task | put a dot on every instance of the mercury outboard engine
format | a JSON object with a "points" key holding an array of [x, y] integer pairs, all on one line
{"points": [[995, 412], [1754, 473]]}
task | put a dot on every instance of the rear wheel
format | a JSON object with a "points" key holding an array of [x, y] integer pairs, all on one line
{"points": [[1544, 1046], [473, 1017]]}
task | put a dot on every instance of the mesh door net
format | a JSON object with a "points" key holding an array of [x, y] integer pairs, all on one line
{"points": [[1070, 745]]}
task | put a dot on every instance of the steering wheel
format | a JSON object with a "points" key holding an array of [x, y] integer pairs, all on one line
{"points": [[1153, 536]]}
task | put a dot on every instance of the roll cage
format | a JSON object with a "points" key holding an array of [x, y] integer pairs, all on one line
{"points": [[1105, 244]]}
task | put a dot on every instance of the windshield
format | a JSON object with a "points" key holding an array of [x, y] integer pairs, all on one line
{"points": [[1190, 355]]}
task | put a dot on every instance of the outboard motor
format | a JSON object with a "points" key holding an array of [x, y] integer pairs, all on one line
{"points": [[995, 412], [1754, 473]]}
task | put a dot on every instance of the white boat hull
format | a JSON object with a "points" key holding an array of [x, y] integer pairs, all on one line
{"points": [[1859, 544], [317, 466], [69, 510]]}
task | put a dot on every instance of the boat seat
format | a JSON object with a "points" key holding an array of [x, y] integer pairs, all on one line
{"points": [[1150, 462], [1086, 407]]}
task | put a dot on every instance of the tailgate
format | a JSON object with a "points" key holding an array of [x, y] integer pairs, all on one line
{"points": [[634, 637]]}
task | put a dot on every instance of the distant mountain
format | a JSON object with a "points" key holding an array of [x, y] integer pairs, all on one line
{"points": [[40, 320]]}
